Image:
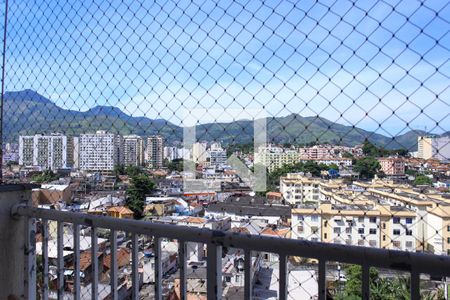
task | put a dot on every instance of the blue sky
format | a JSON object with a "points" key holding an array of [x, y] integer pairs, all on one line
{"points": [[353, 63]]}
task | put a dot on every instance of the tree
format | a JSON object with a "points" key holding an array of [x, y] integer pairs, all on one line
{"points": [[312, 167], [132, 171], [333, 167], [347, 154], [369, 149], [46, 176], [397, 288], [367, 167], [119, 170], [140, 186], [423, 180]]}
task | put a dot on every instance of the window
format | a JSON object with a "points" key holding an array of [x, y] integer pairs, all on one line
{"points": [[408, 232], [300, 218], [325, 236], [314, 229], [315, 239], [396, 220], [337, 230], [360, 242], [373, 231], [372, 243], [448, 240], [409, 244], [361, 219], [300, 229], [448, 228], [314, 218], [397, 244], [360, 230], [348, 230], [373, 220], [384, 225], [384, 238], [408, 220], [396, 232]]}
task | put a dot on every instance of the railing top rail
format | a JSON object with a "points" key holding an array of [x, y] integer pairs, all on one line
{"points": [[435, 265]]}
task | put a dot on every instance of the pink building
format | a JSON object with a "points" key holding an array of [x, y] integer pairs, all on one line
{"points": [[392, 166]]}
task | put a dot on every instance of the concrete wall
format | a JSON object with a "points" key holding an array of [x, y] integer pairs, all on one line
{"points": [[13, 265]]}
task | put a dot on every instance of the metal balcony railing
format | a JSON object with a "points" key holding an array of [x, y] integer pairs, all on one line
{"points": [[414, 263]]}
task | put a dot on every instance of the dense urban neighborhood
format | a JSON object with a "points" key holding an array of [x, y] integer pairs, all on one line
{"points": [[362, 196]]}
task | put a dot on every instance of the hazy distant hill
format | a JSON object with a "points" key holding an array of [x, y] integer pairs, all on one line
{"points": [[27, 112]]}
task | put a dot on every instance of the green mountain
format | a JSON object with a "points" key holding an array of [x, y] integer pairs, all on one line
{"points": [[27, 112]]}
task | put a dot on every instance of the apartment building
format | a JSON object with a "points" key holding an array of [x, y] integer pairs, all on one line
{"points": [[433, 148], [344, 163], [392, 166], [298, 189], [133, 150], [217, 155], [100, 151], [275, 157], [43, 151], [371, 226], [316, 152], [155, 148], [327, 152], [433, 216], [437, 235], [199, 153], [170, 153]]}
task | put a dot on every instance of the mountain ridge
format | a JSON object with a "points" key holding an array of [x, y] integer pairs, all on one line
{"points": [[22, 108]]}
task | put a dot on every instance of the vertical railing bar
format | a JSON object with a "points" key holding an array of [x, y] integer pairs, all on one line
{"points": [[60, 259], [94, 264], [415, 285], [45, 259], [76, 250], [30, 254], [135, 267], [365, 282], [322, 280], [5, 30], [248, 274], [214, 272], [113, 271], [182, 256], [158, 269], [283, 277]]}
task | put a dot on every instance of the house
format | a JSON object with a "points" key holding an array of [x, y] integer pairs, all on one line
{"points": [[86, 267], [121, 212], [51, 194], [169, 254]]}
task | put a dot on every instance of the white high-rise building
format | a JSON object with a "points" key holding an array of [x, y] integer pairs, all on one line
{"points": [[170, 153], [184, 153], [217, 155], [43, 151], [100, 151], [133, 150], [434, 148], [155, 151], [199, 153]]}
